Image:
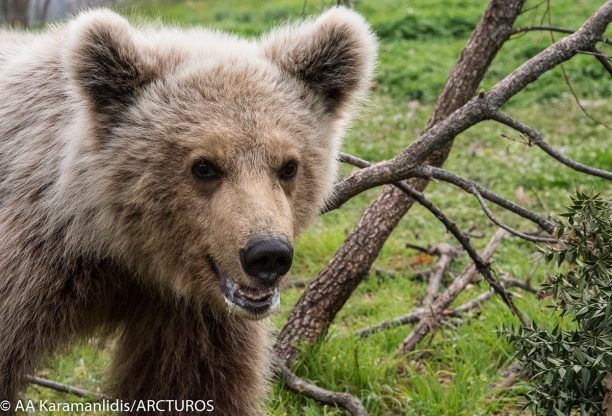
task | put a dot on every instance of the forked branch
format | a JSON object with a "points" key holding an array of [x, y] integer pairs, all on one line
{"points": [[416, 315], [535, 138], [482, 107], [478, 191], [435, 312], [471, 187]]}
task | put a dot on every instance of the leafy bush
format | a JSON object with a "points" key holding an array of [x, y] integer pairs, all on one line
{"points": [[568, 365]]}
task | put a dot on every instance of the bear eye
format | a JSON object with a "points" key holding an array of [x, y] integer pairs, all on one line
{"points": [[203, 169], [288, 170]]}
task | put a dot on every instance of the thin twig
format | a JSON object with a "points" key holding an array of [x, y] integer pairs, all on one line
{"points": [[487, 211], [533, 7], [566, 76], [600, 54], [542, 28], [464, 240], [471, 186], [465, 184], [65, 388], [603, 60], [447, 253], [482, 266], [301, 386], [433, 316], [536, 138], [537, 28], [419, 248], [418, 313]]}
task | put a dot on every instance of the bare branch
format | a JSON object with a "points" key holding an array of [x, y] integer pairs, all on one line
{"points": [[301, 386], [416, 315], [566, 76], [419, 248], [464, 240], [537, 28], [604, 61], [433, 316], [473, 188], [536, 138], [412, 318], [482, 266], [600, 54], [470, 186], [477, 109], [487, 211], [64, 388], [447, 253]]}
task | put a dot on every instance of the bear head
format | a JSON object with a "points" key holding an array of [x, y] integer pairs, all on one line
{"points": [[205, 154]]}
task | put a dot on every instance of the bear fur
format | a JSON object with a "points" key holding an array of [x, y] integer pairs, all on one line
{"points": [[105, 229]]}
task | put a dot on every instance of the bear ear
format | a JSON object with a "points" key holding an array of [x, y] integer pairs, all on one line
{"points": [[334, 55], [106, 61]]}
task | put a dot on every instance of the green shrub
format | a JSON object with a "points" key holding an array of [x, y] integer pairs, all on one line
{"points": [[568, 365]]}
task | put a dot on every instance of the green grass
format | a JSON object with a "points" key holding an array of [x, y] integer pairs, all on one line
{"points": [[420, 42]]}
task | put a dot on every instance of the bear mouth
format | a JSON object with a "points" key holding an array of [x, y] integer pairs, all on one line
{"points": [[257, 302]]}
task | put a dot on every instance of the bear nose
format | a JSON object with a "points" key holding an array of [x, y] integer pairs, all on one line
{"points": [[267, 260]]}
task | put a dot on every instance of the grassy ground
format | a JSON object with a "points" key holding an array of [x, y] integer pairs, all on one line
{"points": [[420, 41]]}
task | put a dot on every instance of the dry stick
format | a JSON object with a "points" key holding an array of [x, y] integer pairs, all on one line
{"points": [[535, 137], [447, 253], [474, 111], [416, 315], [600, 54], [64, 388], [298, 385], [602, 60], [481, 265], [470, 186], [411, 318], [553, 29], [433, 316], [511, 230], [418, 247], [295, 383]]}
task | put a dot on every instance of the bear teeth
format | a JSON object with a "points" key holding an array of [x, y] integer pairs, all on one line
{"points": [[254, 294]]}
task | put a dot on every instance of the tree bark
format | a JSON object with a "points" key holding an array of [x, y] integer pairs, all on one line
{"points": [[329, 291]]}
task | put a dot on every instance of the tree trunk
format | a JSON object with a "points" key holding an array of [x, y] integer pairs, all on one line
{"points": [[329, 291]]}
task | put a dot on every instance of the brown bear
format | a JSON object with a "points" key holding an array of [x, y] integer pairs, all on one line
{"points": [[152, 183]]}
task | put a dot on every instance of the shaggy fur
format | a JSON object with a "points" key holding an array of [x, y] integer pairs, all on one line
{"points": [[103, 227]]}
